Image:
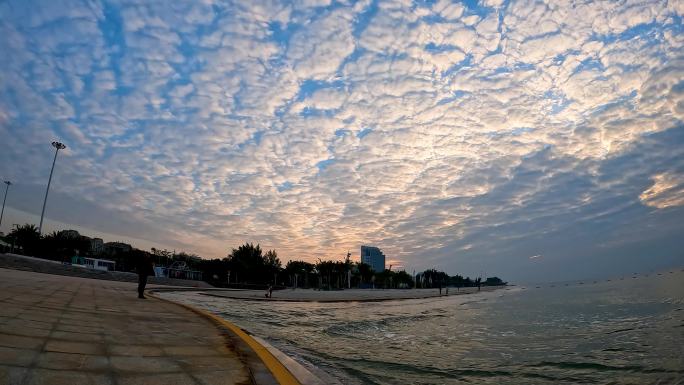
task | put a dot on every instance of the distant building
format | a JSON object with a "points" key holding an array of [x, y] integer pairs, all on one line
{"points": [[93, 263], [113, 248], [374, 257], [178, 270], [96, 246], [494, 281]]}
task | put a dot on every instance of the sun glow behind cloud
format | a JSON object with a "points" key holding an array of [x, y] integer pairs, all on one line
{"points": [[431, 129]]}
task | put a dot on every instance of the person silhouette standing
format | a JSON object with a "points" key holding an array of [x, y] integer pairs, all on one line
{"points": [[145, 269]]}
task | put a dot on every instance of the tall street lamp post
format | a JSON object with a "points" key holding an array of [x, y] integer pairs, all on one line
{"points": [[58, 146], [8, 183]]}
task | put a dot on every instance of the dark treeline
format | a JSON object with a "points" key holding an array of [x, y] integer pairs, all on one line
{"points": [[433, 278], [63, 245], [246, 266], [250, 265]]}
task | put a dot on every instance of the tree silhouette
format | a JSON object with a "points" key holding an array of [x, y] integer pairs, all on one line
{"points": [[272, 264], [251, 265], [62, 245], [27, 237], [365, 272], [300, 269]]}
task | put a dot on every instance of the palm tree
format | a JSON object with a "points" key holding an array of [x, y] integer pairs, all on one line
{"points": [[299, 269], [27, 237], [272, 264], [325, 269], [365, 272]]}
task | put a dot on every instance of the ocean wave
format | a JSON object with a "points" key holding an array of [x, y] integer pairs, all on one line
{"points": [[594, 366]]}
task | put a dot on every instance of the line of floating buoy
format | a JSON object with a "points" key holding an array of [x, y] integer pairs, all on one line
{"points": [[634, 276]]}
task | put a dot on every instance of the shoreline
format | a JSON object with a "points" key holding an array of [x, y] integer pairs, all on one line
{"points": [[337, 296]]}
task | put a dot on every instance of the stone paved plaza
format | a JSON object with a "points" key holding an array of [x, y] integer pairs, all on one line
{"points": [[64, 330]]}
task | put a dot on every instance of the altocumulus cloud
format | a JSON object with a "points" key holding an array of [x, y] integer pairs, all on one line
{"points": [[466, 137]]}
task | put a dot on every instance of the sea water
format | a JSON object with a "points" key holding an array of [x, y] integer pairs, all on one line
{"points": [[627, 330]]}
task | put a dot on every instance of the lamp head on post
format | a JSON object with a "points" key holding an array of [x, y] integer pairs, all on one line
{"points": [[58, 145], [8, 183]]}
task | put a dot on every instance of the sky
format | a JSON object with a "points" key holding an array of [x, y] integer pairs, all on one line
{"points": [[525, 139]]}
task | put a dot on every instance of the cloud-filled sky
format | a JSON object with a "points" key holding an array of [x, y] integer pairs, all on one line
{"points": [[519, 138]]}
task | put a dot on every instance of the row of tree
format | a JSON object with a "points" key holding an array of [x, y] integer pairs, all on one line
{"points": [[63, 245], [246, 265], [58, 245]]}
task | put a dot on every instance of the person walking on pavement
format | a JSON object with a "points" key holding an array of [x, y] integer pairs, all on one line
{"points": [[145, 269]]}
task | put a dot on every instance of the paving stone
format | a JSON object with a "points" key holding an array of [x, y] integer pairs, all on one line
{"points": [[79, 321], [67, 377], [136, 350], [16, 357], [75, 347], [16, 341], [12, 375], [126, 339], [71, 361], [238, 376], [159, 379], [204, 363], [189, 350], [62, 327], [76, 331], [40, 317], [73, 336], [24, 331], [144, 364], [29, 324], [11, 311]]}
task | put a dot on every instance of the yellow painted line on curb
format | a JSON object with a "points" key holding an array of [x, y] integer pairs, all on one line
{"points": [[279, 371]]}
